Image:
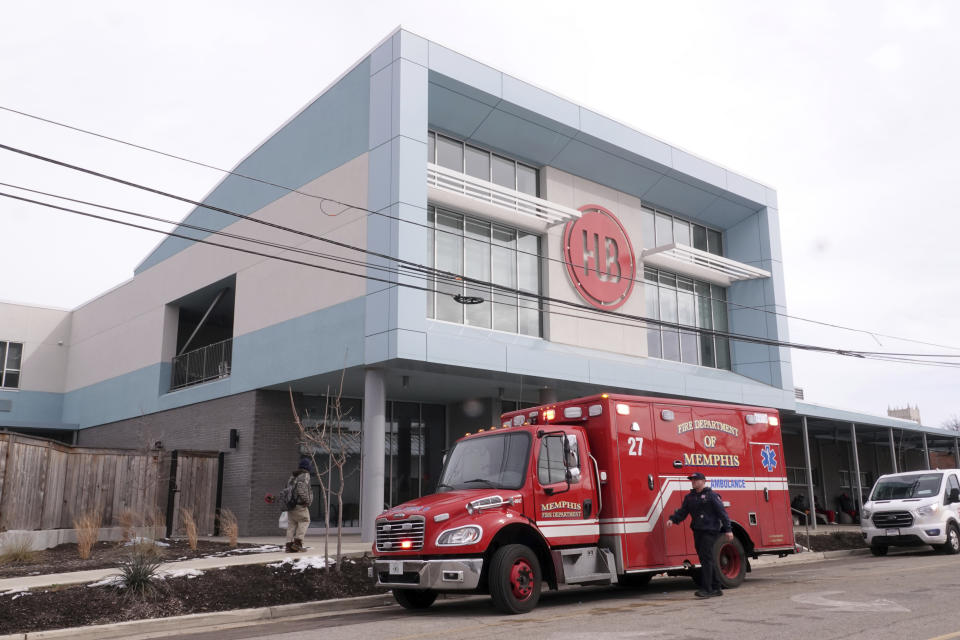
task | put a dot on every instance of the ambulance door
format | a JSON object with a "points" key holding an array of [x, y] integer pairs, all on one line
{"points": [[770, 483], [639, 486], [721, 445], [674, 431], [565, 493]]}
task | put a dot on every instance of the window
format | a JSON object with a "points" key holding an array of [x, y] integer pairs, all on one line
{"points": [[487, 252], [481, 164], [10, 355], [687, 302], [551, 464], [659, 228]]}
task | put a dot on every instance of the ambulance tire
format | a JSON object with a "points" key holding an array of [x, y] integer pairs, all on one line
{"points": [[414, 598], [730, 564], [515, 579]]}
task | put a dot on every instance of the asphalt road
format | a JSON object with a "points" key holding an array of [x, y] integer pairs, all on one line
{"points": [[913, 595]]}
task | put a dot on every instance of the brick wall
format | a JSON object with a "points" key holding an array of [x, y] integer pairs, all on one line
{"points": [[277, 453]]}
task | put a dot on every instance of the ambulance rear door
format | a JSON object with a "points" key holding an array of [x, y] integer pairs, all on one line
{"points": [[770, 480]]}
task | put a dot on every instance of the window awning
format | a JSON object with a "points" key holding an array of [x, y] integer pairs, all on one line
{"points": [[699, 264]]}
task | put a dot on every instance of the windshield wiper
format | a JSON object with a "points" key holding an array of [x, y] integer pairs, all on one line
{"points": [[492, 485]]}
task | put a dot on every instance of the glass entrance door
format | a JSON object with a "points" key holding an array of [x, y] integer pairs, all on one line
{"points": [[414, 450]]}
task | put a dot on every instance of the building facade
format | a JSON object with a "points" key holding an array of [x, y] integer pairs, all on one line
{"points": [[447, 242]]}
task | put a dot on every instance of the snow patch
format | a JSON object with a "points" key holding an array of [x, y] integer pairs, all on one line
{"points": [[179, 573], [109, 581], [302, 564], [140, 540]]}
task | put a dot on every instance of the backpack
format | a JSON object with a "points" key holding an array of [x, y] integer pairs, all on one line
{"points": [[288, 495]]}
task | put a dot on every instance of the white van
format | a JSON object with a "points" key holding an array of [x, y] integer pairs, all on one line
{"points": [[915, 508]]}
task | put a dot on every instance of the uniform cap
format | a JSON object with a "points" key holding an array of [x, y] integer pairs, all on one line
{"points": [[696, 476]]}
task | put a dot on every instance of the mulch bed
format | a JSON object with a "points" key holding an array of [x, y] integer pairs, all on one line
{"points": [[834, 541], [236, 587], [65, 557]]}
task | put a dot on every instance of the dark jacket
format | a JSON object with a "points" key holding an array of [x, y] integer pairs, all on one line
{"points": [[705, 510]]}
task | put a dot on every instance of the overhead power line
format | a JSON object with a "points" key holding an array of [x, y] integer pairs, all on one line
{"points": [[427, 274], [348, 206]]}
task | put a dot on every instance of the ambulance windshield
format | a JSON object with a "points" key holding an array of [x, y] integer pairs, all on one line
{"points": [[487, 462], [916, 485]]}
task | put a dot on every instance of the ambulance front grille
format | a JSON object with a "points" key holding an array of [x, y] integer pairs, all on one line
{"points": [[393, 534], [892, 519]]}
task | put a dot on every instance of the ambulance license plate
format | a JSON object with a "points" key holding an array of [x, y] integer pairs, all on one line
{"points": [[396, 567], [892, 532]]}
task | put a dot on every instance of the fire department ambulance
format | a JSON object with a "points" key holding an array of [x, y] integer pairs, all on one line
{"points": [[578, 492]]}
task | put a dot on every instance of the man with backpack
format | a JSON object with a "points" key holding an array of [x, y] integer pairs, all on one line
{"points": [[296, 498]]}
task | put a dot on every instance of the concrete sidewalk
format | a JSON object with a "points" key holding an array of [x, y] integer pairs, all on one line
{"points": [[351, 545]]}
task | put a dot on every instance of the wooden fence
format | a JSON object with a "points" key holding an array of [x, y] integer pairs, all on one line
{"points": [[46, 484]]}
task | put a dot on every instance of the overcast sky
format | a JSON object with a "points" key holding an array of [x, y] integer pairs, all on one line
{"points": [[849, 110]]}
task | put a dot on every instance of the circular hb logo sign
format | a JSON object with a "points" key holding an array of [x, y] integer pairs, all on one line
{"points": [[599, 257]]}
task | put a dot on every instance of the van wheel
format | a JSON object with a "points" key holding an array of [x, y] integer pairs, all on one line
{"points": [[414, 598], [952, 545], [729, 563], [515, 579], [878, 549]]}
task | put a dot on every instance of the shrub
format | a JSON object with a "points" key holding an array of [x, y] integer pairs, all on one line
{"points": [[229, 526], [17, 549], [128, 521], [136, 573], [190, 526], [88, 531], [156, 521]]}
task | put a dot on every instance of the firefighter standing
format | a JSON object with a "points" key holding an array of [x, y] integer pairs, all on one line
{"points": [[707, 519]]}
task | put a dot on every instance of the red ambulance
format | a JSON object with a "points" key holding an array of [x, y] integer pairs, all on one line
{"points": [[578, 492]]}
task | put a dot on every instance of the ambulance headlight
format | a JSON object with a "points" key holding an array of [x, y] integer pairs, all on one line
{"points": [[461, 535], [928, 509], [866, 513]]}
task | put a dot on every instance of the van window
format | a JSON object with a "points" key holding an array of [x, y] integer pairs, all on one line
{"points": [[953, 483], [918, 485]]}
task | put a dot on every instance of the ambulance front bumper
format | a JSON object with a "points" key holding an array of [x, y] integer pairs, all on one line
{"points": [[447, 574]]}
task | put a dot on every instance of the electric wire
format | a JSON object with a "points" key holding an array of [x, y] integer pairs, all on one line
{"points": [[348, 206], [521, 294]]}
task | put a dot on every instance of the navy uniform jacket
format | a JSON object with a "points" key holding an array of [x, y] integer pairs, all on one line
{"points": [[706, 512]]}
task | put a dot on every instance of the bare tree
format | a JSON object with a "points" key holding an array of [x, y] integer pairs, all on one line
{"points": [[326, 436], [952, 423]]}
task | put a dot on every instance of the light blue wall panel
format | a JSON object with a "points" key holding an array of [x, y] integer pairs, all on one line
{"points": [[742, 242], [410, 106], [679, 197], [329, 132], [769, 229], [464, 71], [383, 54], [521, 138], [627, 139], [723, 213], [600, 166], [414, 48], [747, 188], [381, 108], [541, 107], [298, 348], [38, 409], [464, 346], [690, 165], [455, 113]]}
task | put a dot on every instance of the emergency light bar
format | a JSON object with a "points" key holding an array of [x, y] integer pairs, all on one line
{"points": [[762, 418]]}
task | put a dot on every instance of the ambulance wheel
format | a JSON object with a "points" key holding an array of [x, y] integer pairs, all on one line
{"points": [[952, 545], [731, 566], [515, 579], [414, 598], [878, 549]]}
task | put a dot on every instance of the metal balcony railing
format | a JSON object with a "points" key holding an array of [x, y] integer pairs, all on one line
{"points": [[524, 204], [211, 362]]}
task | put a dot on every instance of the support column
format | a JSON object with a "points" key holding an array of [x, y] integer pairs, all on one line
{"points": [[372, 459], [893, 450], [548, 395], [926, 451], [806, 457], [856, 468], [956, 451]]}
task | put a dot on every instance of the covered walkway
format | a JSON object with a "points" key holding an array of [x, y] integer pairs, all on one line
{"points": [[836, 455]]}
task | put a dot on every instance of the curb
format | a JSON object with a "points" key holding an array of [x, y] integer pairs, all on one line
{"points": [[196, 622]]}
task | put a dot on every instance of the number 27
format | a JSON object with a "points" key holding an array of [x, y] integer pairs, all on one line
{"points": [[636, 446]]}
